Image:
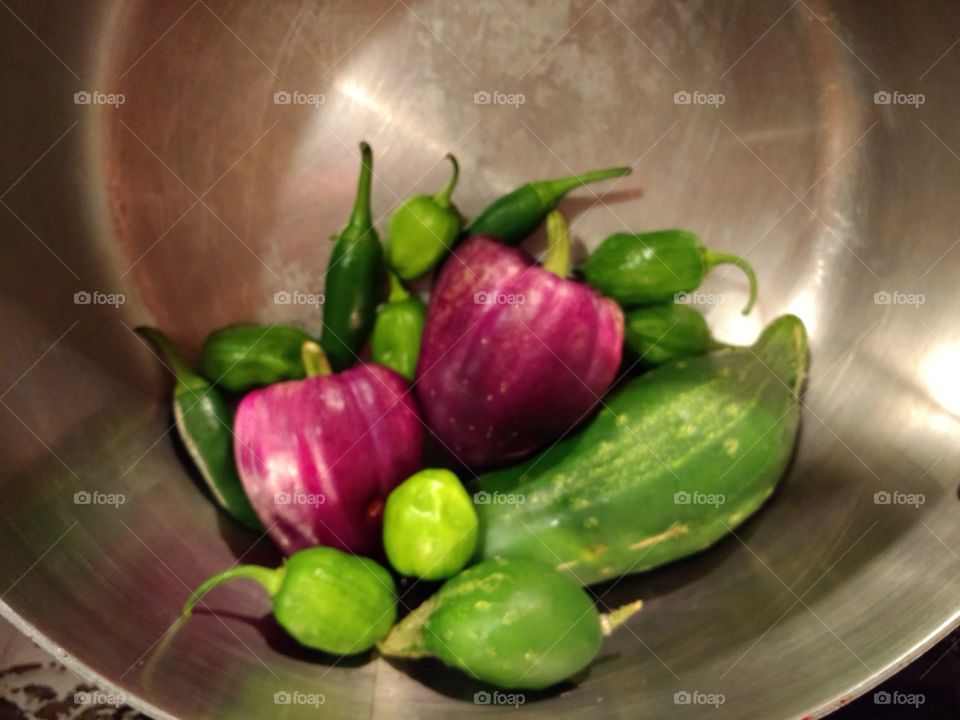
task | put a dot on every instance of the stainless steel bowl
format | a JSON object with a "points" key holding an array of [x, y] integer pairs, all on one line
{"points": [[791, 132]]}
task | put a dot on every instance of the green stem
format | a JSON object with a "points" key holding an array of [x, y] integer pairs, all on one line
{"points": [[443, 197], [405, 640], [398, 292], [712, 259], [612, 620], [361, 221], [315, 360], [551, 191], [172, 356], [557, 258], [269, 578]]}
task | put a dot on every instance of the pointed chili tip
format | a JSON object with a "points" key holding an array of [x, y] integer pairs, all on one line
{"points": [[712, 259], [173, 359], [443, 197]]}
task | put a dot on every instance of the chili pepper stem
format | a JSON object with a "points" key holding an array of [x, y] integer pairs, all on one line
{"points": [[443, 197], [361, 221], [612, 620], [552, 190], [557, 258], [712, 259], [398, 292], [315, 361], [269, 578]]}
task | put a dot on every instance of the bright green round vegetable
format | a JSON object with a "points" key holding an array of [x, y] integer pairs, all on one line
{"points": [[513, 623], [423, 229], [326, 599], [395, 340], [429, 525]]}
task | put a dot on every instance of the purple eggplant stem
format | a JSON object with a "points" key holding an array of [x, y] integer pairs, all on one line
{"points": [[513, 356], [318, 457]]}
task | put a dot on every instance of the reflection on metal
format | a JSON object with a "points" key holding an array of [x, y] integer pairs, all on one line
{"points": [[201, 198]]}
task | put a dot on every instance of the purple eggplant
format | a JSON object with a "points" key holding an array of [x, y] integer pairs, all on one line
{"points": [[318, 457], [513, 355]]}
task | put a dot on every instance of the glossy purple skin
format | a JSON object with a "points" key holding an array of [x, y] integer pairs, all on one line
{"points": [[499, 380], [342, 442]]}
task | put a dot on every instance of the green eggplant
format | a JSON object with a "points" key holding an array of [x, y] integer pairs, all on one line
{"points": [[674, 461], [423, 229], [513, 623], [204, 423], [395, 341], [241, 357], [659, 333], [354, 276], [513, 217], [648, 268]]}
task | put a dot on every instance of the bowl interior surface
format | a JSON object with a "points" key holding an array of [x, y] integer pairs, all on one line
{"points": [[215, 182]]}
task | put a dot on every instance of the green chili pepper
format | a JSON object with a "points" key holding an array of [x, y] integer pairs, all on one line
{"points": [[515, 216], [423, 229], [395, 341], [354, 274], [429, 525], [653, 267], [241, 357], [659, 333], [205, 426], [324, 598]]}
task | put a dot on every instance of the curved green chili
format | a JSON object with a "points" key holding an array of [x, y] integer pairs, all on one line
{"points": [[204, 423], [513, 217], [353, 277]]}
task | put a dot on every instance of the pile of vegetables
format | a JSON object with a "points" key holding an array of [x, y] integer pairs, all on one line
{"points": [[510, 367]]}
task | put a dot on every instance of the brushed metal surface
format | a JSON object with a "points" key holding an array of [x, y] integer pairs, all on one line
{"points": [[199, 197]]}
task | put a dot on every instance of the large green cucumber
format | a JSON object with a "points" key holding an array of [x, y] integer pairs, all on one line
{"points": [[674, 461]]}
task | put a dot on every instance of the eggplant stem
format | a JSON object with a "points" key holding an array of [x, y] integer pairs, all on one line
{"points": [[269, 578], [315, 360], [443, 197], [557, 258], [712, 259]]}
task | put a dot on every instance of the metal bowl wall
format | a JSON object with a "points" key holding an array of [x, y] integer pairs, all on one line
{"points": [[200, 196]]}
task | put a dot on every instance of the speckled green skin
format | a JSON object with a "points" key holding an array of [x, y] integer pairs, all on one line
{"points": [[429, 525], [513, 623], [334, 601], [609, 501]]}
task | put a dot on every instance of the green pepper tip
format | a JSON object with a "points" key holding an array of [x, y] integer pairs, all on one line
{"points": [[443, 197], [712, 259]]}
